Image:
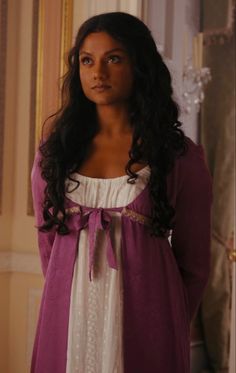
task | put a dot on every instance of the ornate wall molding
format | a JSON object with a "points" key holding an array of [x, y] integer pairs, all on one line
{"points": [[48, 65], [36, 58], [218, 21], [3, 46], [66, 32], [20, 262]]}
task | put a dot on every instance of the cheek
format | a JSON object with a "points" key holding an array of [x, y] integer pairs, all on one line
{"points": [[84, 79], [126, 80]]}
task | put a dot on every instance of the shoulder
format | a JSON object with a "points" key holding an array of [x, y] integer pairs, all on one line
{"points": [[193, 157], [36, 163], [36, 178], [194, 152], [191, 169]]}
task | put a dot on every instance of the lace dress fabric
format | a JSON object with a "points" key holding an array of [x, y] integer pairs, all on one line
{"points": [[95, 320]]}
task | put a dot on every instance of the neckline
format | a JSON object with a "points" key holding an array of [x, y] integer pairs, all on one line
{"points": [[119, 208], [100, 179]]}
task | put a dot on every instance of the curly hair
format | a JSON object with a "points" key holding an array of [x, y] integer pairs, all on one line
{"points": [[157, 136]]}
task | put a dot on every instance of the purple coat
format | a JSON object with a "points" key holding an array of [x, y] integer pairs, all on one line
{"points": [[163, 282]]}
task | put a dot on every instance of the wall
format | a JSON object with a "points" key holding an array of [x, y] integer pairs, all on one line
{"points": [[20, 276]]}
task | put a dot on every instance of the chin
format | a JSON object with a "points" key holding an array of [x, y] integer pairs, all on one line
{"points": [[108, 100], [104, 101]]}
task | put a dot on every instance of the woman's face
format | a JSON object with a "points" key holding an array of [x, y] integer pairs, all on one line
{"points": [[106, 72]]}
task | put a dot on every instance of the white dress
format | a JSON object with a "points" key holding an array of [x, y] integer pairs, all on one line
{"points": [[95, 320]]}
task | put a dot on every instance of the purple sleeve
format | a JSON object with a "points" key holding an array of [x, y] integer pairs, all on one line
{"points": [[192, 232], [45, 239]]}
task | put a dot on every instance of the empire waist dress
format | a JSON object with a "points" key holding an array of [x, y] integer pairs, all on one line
{"points": [[80, 326], [95, 319]]}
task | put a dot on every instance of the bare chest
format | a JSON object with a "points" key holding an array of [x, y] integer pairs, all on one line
{"points": [[108, 160]]}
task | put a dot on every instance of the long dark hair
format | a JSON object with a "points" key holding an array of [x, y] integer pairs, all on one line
{"points": [[157, 137]]}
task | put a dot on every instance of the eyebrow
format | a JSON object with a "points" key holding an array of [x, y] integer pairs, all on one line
{"points": [[108, 52]]}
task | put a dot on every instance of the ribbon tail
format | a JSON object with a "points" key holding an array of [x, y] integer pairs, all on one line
{"points": [[111, 258], [90, 274], [91, 253]]}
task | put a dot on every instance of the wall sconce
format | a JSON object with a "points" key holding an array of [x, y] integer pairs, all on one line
{"points": [[195, 77]]}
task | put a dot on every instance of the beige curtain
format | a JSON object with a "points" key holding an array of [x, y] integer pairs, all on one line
{"points": [[218, 139]]}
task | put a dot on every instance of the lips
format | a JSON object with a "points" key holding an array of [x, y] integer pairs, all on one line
{"points": [[101, 87]]}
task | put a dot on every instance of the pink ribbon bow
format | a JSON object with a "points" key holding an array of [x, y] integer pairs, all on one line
{"points": [[97, 219]]}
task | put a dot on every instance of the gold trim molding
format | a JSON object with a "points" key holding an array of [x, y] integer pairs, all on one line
{"points": [[34, 92], [3, 45], [66, 34], [37, 70]]}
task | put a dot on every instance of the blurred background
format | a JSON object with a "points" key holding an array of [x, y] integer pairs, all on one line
{"points": [[197, 41]]}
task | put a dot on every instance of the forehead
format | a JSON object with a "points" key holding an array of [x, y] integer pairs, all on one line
{"points": [[100, 42]]}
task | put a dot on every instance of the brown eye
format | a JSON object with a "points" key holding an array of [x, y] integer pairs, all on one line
{"points": [[114, 59], [86, 61]]}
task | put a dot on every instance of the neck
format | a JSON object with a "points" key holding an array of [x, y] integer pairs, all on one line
{"points": [[113, 120]]}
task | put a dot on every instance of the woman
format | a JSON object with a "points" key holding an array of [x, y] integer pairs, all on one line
{"points": [[122, 200]]}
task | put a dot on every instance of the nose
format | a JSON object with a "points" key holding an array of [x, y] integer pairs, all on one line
{"points": [[99, 71]]}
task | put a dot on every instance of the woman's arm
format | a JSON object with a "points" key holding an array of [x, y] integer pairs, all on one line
{"points": [[191, 235], [45, 239]]}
